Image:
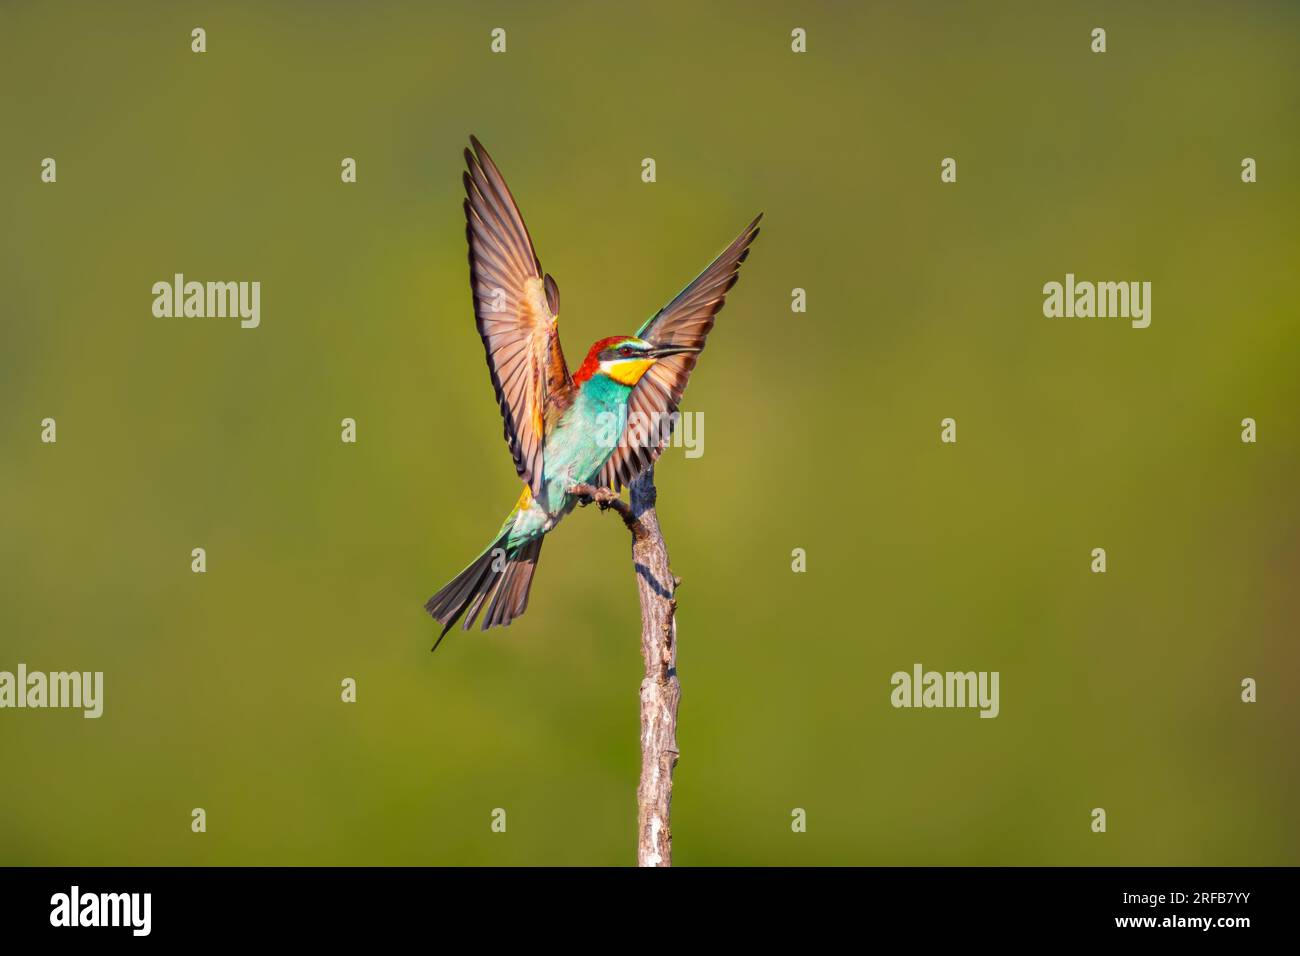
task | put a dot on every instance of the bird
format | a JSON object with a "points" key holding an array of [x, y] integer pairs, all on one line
{"points": [[600, 426]]}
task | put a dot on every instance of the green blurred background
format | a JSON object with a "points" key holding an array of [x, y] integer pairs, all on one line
{"points": [[822, 431]]}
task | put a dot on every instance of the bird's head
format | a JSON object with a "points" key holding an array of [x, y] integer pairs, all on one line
{"points": [[625, 358]]}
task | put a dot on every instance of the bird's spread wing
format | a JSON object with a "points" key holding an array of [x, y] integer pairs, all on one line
{"points": [[686, 320], [517, 308]]}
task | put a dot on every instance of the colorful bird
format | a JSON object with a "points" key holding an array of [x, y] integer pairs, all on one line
{"points": [[601, 426]]}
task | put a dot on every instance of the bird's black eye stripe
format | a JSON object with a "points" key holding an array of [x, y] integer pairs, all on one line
{"points": [[617, 352]]}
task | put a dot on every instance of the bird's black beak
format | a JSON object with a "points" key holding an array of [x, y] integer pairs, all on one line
{"points": [[663, 351]]}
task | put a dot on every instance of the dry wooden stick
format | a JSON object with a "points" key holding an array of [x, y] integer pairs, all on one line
{"points": [[660, 689]]}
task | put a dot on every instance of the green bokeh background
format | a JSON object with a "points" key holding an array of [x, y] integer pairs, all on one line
{"points": [[822, 431]]}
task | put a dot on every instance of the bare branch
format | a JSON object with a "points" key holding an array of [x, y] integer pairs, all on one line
{"points": [[660, 688]]}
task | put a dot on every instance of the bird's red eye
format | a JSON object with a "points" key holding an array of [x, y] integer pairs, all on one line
{"points": [[625, 351]]}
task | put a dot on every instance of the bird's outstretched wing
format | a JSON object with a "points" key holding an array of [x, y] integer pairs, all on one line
{"points": [[686, 320], [517, 308]]}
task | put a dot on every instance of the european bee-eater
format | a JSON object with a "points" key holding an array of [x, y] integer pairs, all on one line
{"points": [[558, 426]]}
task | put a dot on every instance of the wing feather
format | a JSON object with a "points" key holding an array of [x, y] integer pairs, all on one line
{"points": [[686, 320], [512, 307]]}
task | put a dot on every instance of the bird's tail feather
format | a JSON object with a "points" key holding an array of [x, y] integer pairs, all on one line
{"points": [[504, 592]]}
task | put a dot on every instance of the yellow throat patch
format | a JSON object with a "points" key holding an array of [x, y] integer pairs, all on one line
{"points": [[629, 371]]}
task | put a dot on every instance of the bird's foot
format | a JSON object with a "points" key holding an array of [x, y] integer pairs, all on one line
{"points": [[608, 499], [587, 494]]}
